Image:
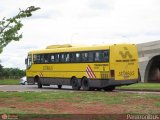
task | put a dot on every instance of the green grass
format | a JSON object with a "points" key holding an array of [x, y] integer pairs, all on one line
{"points": [[142, 86], [9, 82], [35, 96], [9, 110], [81, 97], [75, 97], [157, 104], [102, 97]]}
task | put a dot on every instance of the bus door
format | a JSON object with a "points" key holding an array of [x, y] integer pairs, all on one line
{"points": [[124, 62]]}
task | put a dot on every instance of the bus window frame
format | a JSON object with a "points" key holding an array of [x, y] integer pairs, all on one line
{"points": [[73, 54]]}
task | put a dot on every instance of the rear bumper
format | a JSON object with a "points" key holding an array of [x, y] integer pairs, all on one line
{"points": [[110, 82]]}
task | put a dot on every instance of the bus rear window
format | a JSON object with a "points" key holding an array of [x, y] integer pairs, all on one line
{"points": [[101, 56], [105, 56]]}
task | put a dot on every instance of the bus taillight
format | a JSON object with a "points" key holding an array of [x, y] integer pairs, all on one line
{"points": [[112, 73]]}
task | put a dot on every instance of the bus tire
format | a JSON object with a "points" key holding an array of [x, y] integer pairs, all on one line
{"points": [[59, 86], [109, 88], [39, 83], [85, 84], [75, 84]]}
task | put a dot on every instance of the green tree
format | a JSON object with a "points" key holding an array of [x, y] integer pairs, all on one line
{"points": [[6, 72], [9, 27], [1, 70]]}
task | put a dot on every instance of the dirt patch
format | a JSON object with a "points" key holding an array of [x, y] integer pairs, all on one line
{"points": [[80, 111], [63, 107], [142, 106]]}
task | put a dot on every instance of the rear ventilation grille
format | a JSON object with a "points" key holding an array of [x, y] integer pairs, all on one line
{"points": [[104, 75]]}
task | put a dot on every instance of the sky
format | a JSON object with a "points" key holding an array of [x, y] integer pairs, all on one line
{"points": [[80, 22]]}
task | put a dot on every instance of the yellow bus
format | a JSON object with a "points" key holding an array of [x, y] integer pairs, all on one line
{"points": [[90, 67]]}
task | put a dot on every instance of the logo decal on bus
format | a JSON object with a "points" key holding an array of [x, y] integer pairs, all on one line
{"points": [[125, 53], [40, 74], [90, 72]]}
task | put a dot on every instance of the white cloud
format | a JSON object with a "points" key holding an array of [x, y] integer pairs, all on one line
{"points": [[81, 22], [101, 4]]}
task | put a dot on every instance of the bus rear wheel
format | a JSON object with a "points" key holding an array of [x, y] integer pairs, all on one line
{"points": [[75, 84], [85, 84], [59, 86]]}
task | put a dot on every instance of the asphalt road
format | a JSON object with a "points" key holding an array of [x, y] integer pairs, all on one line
{"points": [[34, 88], [23, 88]]}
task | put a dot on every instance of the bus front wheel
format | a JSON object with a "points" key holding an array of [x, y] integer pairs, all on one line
{"points": [[59, 86], [75, 84], [39, 83]]}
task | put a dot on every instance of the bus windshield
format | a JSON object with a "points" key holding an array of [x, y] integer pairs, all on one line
{"points": [[29, 61]]}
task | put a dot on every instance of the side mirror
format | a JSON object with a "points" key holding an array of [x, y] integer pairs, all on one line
{"points": [[26, 61]]}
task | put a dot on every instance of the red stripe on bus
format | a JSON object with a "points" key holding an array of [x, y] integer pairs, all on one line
{"points": [[92, 71], [88, 73]]}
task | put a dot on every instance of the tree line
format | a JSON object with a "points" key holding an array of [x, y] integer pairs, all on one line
{"points": [[11, 73]]}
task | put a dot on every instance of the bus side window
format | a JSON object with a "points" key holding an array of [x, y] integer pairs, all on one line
{"points": [[105, 56], [67, 58], [53, 58], [57, 58], [46, 58], [97, 56], [41, 58], [62, 58], [90, 56], [72, 57], [78, 57], [36, 59], [84, 57]]}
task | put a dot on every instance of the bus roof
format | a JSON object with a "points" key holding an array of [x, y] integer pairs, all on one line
{"points": [[72, 48]]}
